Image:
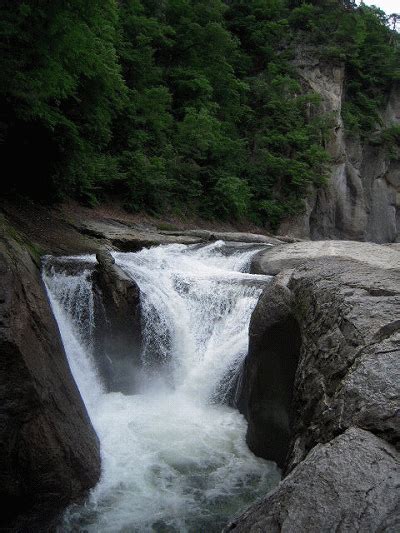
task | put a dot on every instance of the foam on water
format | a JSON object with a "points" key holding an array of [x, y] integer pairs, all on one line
{"points": [[174, 456]]}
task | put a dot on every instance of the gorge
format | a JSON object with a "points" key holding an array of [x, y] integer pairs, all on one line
{"points": [[174, 456], [319, 386]]}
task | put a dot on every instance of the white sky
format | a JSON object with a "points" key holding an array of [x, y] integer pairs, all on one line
{"points": [[388, 6]]}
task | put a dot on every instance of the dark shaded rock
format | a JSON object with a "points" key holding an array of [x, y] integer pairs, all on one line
{"points": [[350, 484], [268, 378], [49, 452], [117, 335]]}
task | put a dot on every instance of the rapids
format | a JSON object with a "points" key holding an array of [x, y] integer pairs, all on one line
{"points": [[174, 456]]}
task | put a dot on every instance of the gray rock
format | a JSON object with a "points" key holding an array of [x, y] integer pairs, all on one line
{"points": [[126, 238], [349, 366], [350, 484], [275, 259], [394, 246], [347, 380], [49, 452], [229, 236], [361, 200], [349, 362], [117, 334]]}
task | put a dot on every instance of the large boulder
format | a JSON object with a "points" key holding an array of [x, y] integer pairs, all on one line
{"points": [[49, 452], [349, 366], [348, 371], [117, 334], [339, 319], [350, 484]]}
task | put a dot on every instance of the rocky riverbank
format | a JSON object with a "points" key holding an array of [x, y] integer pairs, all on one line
{"points": [[73, 229], [329, 324]]}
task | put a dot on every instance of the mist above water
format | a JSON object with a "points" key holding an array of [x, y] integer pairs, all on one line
{"points": [[174, 456]]}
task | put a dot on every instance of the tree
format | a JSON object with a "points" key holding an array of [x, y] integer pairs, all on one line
{"points": [[60, 85]]}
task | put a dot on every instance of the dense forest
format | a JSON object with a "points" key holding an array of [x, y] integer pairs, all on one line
{"points": [[185, 106]]}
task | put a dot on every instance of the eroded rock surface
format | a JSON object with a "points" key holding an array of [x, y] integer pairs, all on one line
{"points": [[349, 368], [49, 452], [350, 484], [273, 260], [127, 238], [342, 411], [117, 334], [228, 236], [361, 200]]}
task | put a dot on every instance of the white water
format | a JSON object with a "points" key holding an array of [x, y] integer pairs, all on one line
{"points": [[174, 456]]}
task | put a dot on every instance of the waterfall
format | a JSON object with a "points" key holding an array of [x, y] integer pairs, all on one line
{"points": [[174, 456]]}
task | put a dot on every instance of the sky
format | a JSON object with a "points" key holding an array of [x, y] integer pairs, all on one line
{"points": [[388, 6]]}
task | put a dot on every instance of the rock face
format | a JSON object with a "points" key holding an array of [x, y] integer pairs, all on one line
{"points": [[362, 198], [49, 452], [117, 335], [350, 484], [349, 368], [338, 421], [126, 238]]}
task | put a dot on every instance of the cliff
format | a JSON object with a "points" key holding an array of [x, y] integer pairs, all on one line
{"points": [[361, 200]]}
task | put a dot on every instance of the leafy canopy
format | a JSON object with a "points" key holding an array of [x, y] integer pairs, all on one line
{"points": [[185, 105]]}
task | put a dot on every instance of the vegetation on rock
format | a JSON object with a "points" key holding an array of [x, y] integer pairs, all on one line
{"points": [[183, 105]]}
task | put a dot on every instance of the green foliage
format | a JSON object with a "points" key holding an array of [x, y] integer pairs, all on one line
{"points": [[389, 139], [183, 105], [60, 83], [231, 197], [363, 40]]}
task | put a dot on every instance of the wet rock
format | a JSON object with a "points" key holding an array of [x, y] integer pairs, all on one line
{"points": [[117, 335], [350, 484], [49, 452], [268, 376]]}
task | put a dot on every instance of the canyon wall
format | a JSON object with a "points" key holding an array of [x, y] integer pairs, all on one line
{"points": [[361, 200]]}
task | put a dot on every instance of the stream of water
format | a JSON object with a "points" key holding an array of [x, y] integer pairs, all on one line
{"points": [[174, 456]]}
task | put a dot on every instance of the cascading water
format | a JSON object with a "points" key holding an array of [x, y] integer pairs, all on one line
{"points": [[174, 456]]}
